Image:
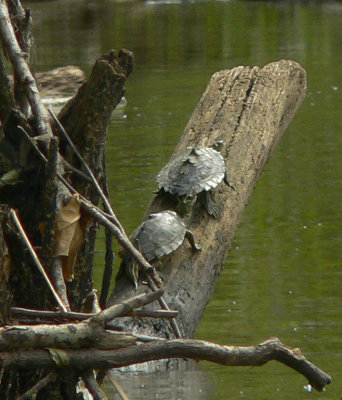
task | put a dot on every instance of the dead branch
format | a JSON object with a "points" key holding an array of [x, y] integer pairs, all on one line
{"points": [[126, 306], [22, 71], [52, 376], [93, 386], [36, 259], [90, 332], [65, 316], [107, 220], [155, 281], [6, 96], [63, 336], [258, 355], [117, 386]]}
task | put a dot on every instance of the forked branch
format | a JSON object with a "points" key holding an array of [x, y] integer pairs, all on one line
{"points": [[271, 349]]}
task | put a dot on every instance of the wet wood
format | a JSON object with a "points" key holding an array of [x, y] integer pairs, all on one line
{"points": [[249, 109]]}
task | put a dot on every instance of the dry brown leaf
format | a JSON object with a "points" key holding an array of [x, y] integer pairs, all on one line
{"points": [[76, 242], [68, 235]]}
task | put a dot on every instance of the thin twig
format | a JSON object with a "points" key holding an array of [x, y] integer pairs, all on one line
{"points": [[109, 221], [102, 217], [22, 71], [93, 386], [78, 316], [164, 305], [39, 385], [36, 259], [147, 339], [127, 305], [109, 254], [117, 386], [108, 268], [89, 171]]}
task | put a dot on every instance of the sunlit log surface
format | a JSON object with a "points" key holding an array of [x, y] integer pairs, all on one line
{"points": [[249, 109]]}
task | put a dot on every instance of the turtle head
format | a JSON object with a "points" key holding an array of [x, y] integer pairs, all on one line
{"points": [[217, 145], [185, 203]]}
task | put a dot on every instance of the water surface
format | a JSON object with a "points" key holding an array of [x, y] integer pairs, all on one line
{"points": [[283, 274]]}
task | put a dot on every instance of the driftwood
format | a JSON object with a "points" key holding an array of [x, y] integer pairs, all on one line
{"points": [[88, 333], [249, 109], [271, 349]]}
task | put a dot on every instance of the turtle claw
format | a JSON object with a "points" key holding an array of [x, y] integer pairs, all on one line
{"points": [[210, 206], [227, 182], [214, 211], [190, 236]]}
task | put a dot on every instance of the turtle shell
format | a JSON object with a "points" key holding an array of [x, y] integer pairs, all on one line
{"points": [[193, 171], [159, 235]]}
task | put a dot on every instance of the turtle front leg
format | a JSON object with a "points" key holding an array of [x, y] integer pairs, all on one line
{"points": [[211, 207], [190, 236]]}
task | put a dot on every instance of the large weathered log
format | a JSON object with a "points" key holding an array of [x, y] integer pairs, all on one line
{"points": [[271, 349], [249, 109]]}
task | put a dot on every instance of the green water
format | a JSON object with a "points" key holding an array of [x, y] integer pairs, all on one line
{"points": [[283, 275]]}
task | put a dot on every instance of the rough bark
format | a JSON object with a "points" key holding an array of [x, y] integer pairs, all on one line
{"points": [[22, 73], [90, 332], [249, 109], [85, 118]]}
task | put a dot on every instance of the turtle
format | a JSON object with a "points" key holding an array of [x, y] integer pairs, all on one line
{"points": [[196, 171], [159, 235]]}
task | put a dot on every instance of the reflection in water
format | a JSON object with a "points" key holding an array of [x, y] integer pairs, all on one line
{"points": [[186, 383], [284, 270]]}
